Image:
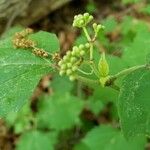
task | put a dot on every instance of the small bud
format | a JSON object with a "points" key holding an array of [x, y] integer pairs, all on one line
{"points": [[81, 46], [69, 72], [87, 45], [86, 15], [94, 26], [74, 68], [63, 66], [82, 52], [65, 58], [72, 78], [103, 66], [60, 62], [62, 72], [69, 65], [68, 53], [73, 59]]}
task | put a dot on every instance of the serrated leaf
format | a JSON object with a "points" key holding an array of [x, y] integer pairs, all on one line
{"points": [[107, 138], [134, 103], [20, 72], [34, 140], [59, 112]]}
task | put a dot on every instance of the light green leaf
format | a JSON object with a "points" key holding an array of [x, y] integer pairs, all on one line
{"points": [[34, 140], [20, 72], [59, 112], [134, 103], [107, 138]]}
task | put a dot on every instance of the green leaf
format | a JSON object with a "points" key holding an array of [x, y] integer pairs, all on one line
{"points": [[146, 9], [136, 53], [107, 138], [134, 103], [59, 112], [45, 40], [21, 71], [20, 121], [95, 105], [34, 140]]}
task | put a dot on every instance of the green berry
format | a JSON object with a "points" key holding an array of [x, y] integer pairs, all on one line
{"points": [[74, 68], [63, 66], [72, 78], [73, 59], [90, 18], [87, 45], [81, 22], [65, 58], [62, 72], [74, 48], [60, 62], [82, 52], [69, 72], [69, 65], [81, 46], [86, 15], [68, 53], [94, 25], [73, 53]]}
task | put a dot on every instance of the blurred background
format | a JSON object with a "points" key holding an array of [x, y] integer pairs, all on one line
{"points": [[125, 21]]}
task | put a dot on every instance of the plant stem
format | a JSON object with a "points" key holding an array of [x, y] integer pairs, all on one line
{"points": [[126, 71], [86, 80], [86, 34], [91, 51]]}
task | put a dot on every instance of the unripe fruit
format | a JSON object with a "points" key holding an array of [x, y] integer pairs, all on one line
{"points": [[86, 15], [69, 72], [61, 72], [69, 65], [82, 52], [63, 66], [73, 59], [81, 46], [87, 45], [65, 58], [72, 78], [74, 68], [60, 62]]}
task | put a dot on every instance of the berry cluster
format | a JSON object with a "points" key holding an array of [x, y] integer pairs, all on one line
{"points": [[72, 60], [82, 20]]}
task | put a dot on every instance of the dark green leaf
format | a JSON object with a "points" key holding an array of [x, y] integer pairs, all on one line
{"points": [[134, 103], [21, 71], [59, 111]]}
